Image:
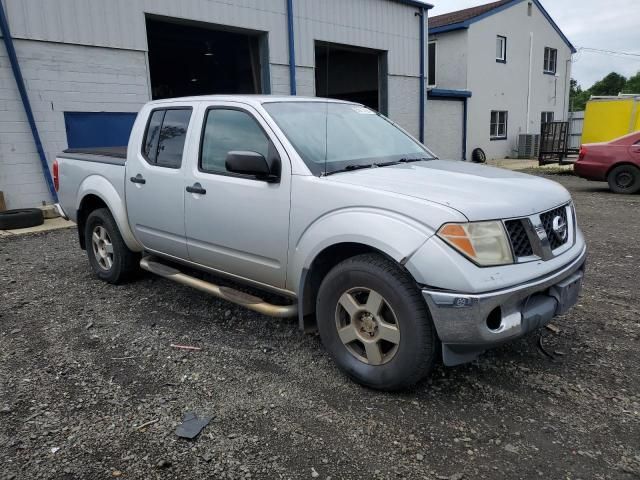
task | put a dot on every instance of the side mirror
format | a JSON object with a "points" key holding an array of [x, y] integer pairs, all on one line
{"points": [[253, 163]]}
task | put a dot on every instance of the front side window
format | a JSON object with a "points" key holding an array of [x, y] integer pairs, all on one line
{"points": [[432, 64], [498, 128], [547, 117], [550, 60], [227, 130], [163, 144], [332, 136], [501, 49]]}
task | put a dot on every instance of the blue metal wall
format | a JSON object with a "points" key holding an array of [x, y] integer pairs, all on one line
{"points": [[98, 129]]}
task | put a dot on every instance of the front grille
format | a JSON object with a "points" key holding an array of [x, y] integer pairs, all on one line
{"points": [[519, 238], [555, 240]]}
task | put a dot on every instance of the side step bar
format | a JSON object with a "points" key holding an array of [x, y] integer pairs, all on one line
{"points": [[153, 265]]}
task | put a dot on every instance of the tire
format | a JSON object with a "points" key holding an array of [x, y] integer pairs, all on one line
{"points": [[478, 156], [395, 366], [22, 218], [624, 179], [109, 256]]}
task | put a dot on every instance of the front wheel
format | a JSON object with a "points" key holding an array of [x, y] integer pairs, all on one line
{"points": [[624, 179], [109, 256], [374, 323]]}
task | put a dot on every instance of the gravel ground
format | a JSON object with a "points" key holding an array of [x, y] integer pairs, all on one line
{"points": [[84, 364]]}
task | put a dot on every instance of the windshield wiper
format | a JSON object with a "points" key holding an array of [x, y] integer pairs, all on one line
{"points": [[354, 166], [409, 160]]}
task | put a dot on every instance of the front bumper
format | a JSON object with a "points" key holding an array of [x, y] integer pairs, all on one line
{"points": [[469, 324]]}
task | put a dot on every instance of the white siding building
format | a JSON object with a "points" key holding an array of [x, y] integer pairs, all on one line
{"points": [[89, 65], [495, 71]]}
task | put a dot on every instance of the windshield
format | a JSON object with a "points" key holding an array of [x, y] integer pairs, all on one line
{"points": [[334, 137]]}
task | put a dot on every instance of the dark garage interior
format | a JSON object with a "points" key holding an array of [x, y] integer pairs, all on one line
{"points": [[350, 73], [203, 59]]}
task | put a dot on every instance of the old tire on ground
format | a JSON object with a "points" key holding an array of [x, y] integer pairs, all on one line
{"points": [[109, 256], [478, 156], [375, 324], [21, 218], [624, 179]]}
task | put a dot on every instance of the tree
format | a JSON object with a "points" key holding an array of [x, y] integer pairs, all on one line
{"points": [[612, 84], [577, 97], [633, 84]]}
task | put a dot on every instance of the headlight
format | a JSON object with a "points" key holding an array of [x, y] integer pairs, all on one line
{"points": [[485, 243]]}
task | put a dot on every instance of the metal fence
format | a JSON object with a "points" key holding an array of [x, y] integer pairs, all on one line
{"points": [[576, 123]]}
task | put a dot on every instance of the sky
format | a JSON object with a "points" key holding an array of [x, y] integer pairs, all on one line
{"points": [[612, 25]]}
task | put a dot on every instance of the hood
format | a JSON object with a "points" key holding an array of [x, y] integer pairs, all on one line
{"points": [[477, 191]]}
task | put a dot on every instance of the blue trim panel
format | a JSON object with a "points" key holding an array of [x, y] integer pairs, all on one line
{"points": [[416, 3], [464, 127], [292, 49], [422, 15], [17, 74], [98, 129], [467, 23], [443, 93]]}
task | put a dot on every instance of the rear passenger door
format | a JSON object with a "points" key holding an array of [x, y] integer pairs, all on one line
{"points": [[155, 182]]}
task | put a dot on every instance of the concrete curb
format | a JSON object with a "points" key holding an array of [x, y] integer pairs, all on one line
{"points": [[48, 225]]}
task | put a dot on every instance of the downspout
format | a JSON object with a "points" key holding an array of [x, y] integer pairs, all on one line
{"points": [[529, 82], [17, 74], [464, 129], [292, 48], [422, 14]]}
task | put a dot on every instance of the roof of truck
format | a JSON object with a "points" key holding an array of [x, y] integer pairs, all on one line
{"points": [[250, 99]]}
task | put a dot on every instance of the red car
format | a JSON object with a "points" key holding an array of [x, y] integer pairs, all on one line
{"points": [[616, 162]]}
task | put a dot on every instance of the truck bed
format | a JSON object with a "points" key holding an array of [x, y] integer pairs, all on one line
{"points": [[117, 152]]}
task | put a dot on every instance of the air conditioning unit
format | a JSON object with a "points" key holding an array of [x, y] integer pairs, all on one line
{"points": [[528, 145]]}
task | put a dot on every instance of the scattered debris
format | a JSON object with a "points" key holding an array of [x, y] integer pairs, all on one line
{"points": [[511, 448], [123, 358], [314, 474], [544, 350], [192, 425], [5, 409], [552, 327], [146, 424], [419, 457], [185, 347], [89, 325], [15, 330], [163, 464], [116, 473], [54, 449]]}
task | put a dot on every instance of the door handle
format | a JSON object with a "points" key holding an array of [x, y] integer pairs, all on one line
{"points": [[196, 188], [138, 179]]}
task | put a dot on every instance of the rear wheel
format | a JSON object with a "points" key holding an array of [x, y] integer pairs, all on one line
{"points": [[374, 323], [109, 256], [624, 179]]}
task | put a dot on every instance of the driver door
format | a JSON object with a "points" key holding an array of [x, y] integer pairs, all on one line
{"points": [[237, 224]]}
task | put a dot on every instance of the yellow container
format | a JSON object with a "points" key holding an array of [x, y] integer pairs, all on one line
{"points": [[607, 118]]}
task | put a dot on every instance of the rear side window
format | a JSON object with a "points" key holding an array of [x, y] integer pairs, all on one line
{"points": [[165, 136], [228, 130]]}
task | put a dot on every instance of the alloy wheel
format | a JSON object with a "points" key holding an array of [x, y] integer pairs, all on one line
{"points": [[102, 247]]}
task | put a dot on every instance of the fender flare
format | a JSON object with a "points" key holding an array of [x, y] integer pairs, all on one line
{"points": [[396, 236], [100, 187]]}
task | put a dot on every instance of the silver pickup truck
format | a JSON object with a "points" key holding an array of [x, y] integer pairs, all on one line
{"points": [[394, 256]]}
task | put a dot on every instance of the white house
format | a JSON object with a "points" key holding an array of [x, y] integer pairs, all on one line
{"points": [[494, 72]]}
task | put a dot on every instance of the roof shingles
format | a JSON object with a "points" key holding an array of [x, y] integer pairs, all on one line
{"points": [[464, 15]]}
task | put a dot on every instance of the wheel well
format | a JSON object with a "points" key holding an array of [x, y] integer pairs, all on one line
{"points": [[616, 165], [321, 265], [88, 205]]}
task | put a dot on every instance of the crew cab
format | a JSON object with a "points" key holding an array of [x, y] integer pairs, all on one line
{"points": [[395, 256]]}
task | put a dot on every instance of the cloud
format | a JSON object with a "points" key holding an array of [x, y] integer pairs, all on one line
{"points": [[587, 23]]}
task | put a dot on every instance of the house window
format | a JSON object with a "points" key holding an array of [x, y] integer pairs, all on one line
{"points": [[550, 60], [498, 129], [547, 117], [432, 64], [501, 49]]}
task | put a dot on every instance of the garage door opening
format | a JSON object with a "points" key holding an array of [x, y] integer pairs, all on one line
{"points": [[351, 73], [202, 59]]}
